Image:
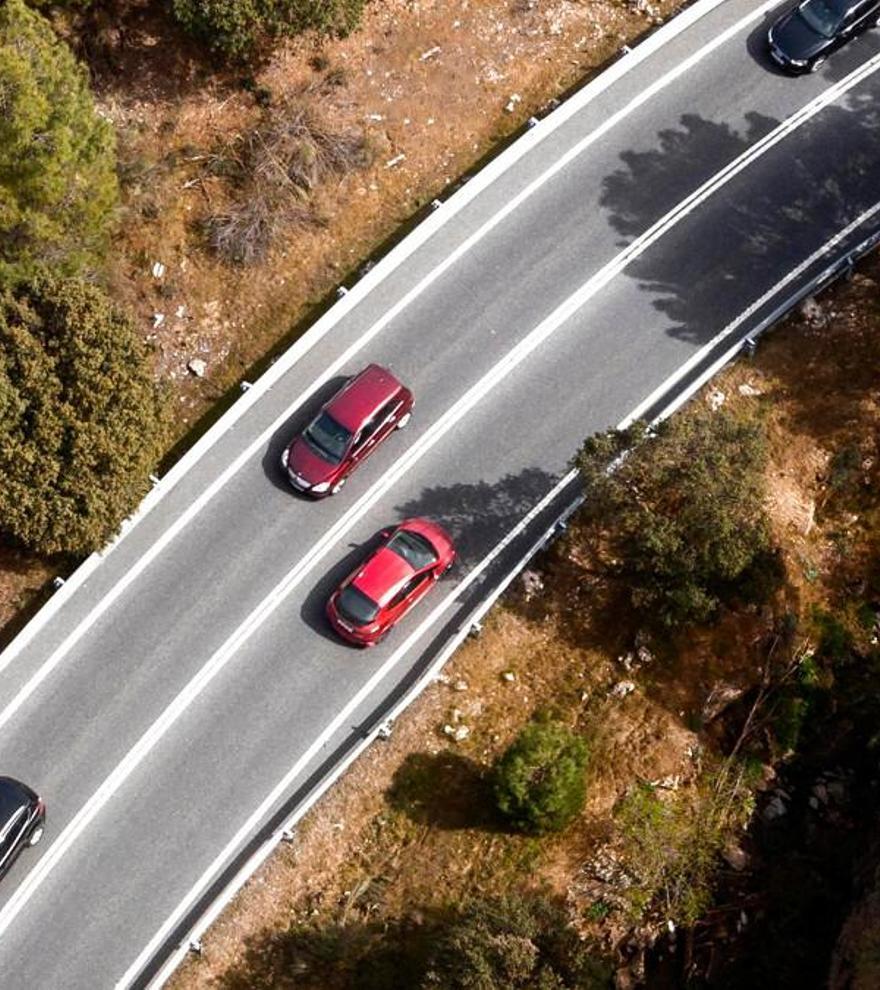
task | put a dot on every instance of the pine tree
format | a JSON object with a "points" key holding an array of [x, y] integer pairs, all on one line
{"points": [[81, 418], [58, 183], [234, 27]]}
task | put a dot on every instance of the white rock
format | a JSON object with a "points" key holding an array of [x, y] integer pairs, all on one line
{"points": [[622, 689], [812, 312], [716, 399], [460, 685], [430, 53], [532, 583], [508, 675], [158, 269], [158, 320], [197, 366], [748, 389], [510, 106]]}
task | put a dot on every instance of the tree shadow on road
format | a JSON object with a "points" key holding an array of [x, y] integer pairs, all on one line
{"points": [[748, 232], [478, 515]]}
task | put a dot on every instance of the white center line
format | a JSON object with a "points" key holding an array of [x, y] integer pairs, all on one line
{"points": [[432, 435], [187, 516]]}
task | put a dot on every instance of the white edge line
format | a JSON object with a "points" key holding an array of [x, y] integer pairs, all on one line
{"points": [[598, 280], [333, 727], [380, 271], [260, 855], [258, 615]]}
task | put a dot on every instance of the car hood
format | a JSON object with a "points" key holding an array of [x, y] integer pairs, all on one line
{"points": [[382, 575], [307, 464], [796, 39]]}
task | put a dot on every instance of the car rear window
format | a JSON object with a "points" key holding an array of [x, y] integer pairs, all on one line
{"points": [[414, 548], [356, 607], [328, 438]]}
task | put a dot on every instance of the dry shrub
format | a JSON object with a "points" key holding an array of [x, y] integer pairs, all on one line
{"points": [[277, 166], [299, 148], [243, 233]]}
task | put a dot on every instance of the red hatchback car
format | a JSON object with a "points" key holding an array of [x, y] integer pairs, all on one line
{"points": [[346, 431], [390, 582]]}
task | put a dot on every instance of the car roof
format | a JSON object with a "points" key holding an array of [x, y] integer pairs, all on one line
{"points": [[364, 395], [383, 575]]}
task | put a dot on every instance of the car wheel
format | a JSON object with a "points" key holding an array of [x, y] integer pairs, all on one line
{"points": [[404, 419], [37, 834], [815, 66], [337, 488]]}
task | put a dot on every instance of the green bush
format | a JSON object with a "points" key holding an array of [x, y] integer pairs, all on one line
{"points": [[81, 420], [58, 184], [234, 27], [682, 515], [539, 781], [516, 944], [671, 844]]}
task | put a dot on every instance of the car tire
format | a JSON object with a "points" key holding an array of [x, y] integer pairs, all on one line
{"points": [[404, 419], [817, 64], [337, 488], [37, 834]]}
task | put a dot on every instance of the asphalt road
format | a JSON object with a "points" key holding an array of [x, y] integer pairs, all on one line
{"points": [[172, 712]]}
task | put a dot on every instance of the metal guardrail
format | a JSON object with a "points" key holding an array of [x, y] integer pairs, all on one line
{"points": [[381, 726]]}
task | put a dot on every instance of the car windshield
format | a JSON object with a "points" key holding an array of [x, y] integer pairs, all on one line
{"points": [[328, 438], [13, 822], [356, 607], [414, 549], [822, 17]]}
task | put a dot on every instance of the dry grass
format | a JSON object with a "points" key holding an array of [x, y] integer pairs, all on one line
{"points": [[274, 169]]}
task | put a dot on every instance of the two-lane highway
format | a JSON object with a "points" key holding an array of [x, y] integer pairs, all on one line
{"points": [[191, 680]]}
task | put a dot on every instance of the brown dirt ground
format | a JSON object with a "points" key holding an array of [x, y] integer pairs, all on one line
{"points": [[363, 853], [426, 79]]}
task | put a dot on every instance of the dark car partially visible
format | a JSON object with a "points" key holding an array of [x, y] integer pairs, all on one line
{"points": [[22, 819], [803, 38]]}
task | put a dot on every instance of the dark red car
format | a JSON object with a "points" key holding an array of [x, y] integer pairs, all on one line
{"points": [[390, 582], [346, 431]]}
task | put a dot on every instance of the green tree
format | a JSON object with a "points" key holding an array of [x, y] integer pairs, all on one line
{"points": [[671, 844], [539, 781], [234, 27], [58, 183], [518, 943], [81, 419], [682, 513]]}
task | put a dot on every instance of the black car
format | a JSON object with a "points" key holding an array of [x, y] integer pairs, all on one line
{"points": [[22, 818], [802, 39]]}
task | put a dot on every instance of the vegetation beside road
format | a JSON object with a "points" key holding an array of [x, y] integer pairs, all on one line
{"points": [[728, 795]]}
